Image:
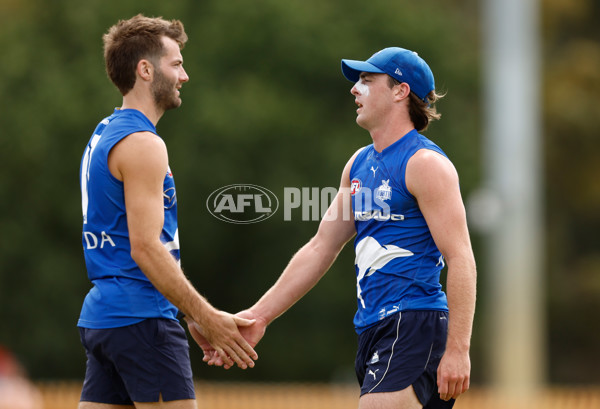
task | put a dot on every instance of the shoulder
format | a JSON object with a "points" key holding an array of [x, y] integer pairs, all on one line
{"points": [[138, 152], [141, 145], [429, 170]]}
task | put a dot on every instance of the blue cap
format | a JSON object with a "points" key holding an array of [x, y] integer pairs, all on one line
{"points": [[400, 64]]}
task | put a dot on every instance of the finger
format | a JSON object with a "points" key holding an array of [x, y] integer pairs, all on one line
{"points": [[466, 384], [225, 357], [213, 359], [233, 356], [445, 396], [247, 350], [216, 361], [443, 390], [243, 322], [452, 390], [461, 387], [240, 357], [244, 349]]}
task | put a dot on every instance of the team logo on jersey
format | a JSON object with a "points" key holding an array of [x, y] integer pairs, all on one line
{"points": [[355, 186], [371, 257], [374, 358], [170, 198], [169, 173], [384, 192]]}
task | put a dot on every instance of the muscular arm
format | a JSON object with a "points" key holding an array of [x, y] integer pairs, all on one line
{"points": [[141, 162], [433, 180], [305, 268], [314, 259]]}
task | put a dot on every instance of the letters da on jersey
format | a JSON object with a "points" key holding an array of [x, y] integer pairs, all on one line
{"points": [[94, 241], [242, 204]]}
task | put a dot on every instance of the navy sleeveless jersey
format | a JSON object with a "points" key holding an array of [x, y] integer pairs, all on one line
{"points": [[121, 293], [397, 262]]}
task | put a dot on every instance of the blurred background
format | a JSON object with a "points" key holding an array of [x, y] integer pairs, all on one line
{"points": [[267, 104]]}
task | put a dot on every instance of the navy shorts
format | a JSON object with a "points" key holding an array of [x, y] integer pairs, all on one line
{"points": [[137, 363], [402, 350]]}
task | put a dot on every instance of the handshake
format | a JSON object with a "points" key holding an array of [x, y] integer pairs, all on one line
{"points": [[226, 339]]}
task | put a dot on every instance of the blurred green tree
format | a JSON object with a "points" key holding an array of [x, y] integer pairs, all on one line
{"points": [[267, 104]]}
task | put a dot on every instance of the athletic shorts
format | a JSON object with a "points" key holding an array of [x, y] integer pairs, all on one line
{"points": [[137, 363], [402, 350]]}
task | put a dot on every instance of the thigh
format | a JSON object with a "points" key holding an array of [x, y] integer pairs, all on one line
{"points": [[95, 405], [404, 399]]}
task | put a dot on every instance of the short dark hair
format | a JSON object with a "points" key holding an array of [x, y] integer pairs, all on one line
{"points": [[129, 41], [421, 112]]}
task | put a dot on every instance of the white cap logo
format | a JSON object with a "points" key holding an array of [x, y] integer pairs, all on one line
{"points": [[398, 72]]}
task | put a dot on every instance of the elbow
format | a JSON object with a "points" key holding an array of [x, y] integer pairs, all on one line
{"points": [[141, 250], [324, 250], [463, 265]]}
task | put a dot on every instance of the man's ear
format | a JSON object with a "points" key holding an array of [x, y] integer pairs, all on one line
{"points": [[401, 91], [145, 70]]}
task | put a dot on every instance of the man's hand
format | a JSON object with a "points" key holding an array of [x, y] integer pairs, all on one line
{"points": [[453, 374], [251, 333], [194, 329], [219, 336]]}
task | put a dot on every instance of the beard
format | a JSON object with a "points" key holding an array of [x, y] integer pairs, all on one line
{"points": [[163, 92]]}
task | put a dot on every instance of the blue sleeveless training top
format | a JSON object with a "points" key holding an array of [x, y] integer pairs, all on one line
{"points": [[121, 293], [397, 262]]}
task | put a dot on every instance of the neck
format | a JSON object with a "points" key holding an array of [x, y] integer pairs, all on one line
{"points": [[143, 103], [382, 138], [389, 126]]}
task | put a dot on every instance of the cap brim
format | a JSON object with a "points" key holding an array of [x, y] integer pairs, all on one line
{"points": [[352, 69]]}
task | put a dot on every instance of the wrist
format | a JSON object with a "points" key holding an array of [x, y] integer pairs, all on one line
{"points": [[259, 317], [202, 312], [457, 345]]}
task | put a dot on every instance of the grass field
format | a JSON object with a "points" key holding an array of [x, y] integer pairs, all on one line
{"points": [[210, 395]]}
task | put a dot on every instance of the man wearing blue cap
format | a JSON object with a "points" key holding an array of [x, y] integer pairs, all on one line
{"points": [[408, 217]]}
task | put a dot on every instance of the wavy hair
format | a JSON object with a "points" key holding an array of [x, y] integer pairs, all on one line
{"points": [[421, 112], [129, 41]]}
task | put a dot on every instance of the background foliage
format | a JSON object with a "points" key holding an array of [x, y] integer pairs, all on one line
{"points": [[267, 104]]}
